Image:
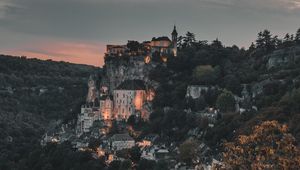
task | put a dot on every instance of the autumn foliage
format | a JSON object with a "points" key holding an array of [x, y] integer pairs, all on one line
{"points": [[270, 146]]}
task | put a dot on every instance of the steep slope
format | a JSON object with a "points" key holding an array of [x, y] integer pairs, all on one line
{"points": [[34, 93]]}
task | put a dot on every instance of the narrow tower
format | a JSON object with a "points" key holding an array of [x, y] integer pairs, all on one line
{"points": [[174, 41]]}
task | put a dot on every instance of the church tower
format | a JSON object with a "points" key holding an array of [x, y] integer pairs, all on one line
{"points": [[174, 41]]}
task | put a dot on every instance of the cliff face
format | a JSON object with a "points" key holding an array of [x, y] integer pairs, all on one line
{"points": [[283, 57], [119, 69]]}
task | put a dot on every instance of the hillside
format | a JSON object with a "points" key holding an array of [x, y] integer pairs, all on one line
{"points": [[263, 80], [211, 103], [33, 95]]}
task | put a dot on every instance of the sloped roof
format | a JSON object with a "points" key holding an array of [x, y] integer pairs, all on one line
{"points": [[121, 137], [132, 85]]}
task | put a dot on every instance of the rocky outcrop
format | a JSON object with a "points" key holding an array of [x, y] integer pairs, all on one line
{"points": [[283, 57], [120, 69]]}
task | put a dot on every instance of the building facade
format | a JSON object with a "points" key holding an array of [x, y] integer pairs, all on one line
{"points": [[162, 45], [129, 99], [106, 107], [86, 119], [121, 141]]}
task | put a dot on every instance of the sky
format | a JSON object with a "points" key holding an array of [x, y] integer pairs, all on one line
{"points": [[77, 30]]}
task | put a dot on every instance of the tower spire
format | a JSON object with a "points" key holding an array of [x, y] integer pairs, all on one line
{"points": [[174, 33], [174, 40]]}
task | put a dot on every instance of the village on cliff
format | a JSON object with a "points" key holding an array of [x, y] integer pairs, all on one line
{"points": [[125, 91]]}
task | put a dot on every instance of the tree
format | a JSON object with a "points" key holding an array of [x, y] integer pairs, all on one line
{"points": [[252, 47], [188, 151], [260, 41], [135, 154], [131, 120], [290, 101], [133, 46], [287, 37], [114, 165], [233, 84], [217, 44], [265, 41], [297, 36], [145, 164], [204, 74], [288, 40], [226, 101], [188, 40], [126, 165], [269, 146], [267, 37], [161, 165], [114, 127]]}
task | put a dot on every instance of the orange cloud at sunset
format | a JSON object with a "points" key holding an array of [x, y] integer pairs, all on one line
{"points": [[74, 52]]}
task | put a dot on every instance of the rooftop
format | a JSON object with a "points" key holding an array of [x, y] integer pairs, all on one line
{"points": [[121, 137], [132, 85]]}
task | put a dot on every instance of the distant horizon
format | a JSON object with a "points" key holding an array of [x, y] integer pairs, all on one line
{"points": [[77, 31], [102, 49], [42, 55]]}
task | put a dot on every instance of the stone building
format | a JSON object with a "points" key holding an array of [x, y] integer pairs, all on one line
{"points": [[115, 49], [86, 119], [195, 91], [123, 64], [121, 141], [129, 98], [106, 107], [92, 91], [160, 44]]}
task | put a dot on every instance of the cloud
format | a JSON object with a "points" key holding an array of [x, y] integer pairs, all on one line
{"points": [[278, 5], [55, 28], [4, 4]]}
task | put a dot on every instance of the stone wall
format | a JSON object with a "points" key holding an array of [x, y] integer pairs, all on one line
{"points": [[117, 70]]}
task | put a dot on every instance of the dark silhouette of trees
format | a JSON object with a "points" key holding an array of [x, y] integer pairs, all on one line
{"points": [[226, 102], [266, 41], [297, 37], [188, 151], [133, 46], [188, 40]]}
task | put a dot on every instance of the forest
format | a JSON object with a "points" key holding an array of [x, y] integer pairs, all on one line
{"points": [[34, 92]]}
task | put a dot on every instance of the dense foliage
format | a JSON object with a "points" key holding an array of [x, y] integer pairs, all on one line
{"points": [[269, 146], [232, 70], [34, 94]]}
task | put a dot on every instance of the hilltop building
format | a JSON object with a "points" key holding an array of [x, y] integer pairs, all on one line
{"points": [[162, 45], [125, 87], [135, 60]]}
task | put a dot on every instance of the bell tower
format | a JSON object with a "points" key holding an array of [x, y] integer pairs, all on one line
{"points": [[174, 41]]}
